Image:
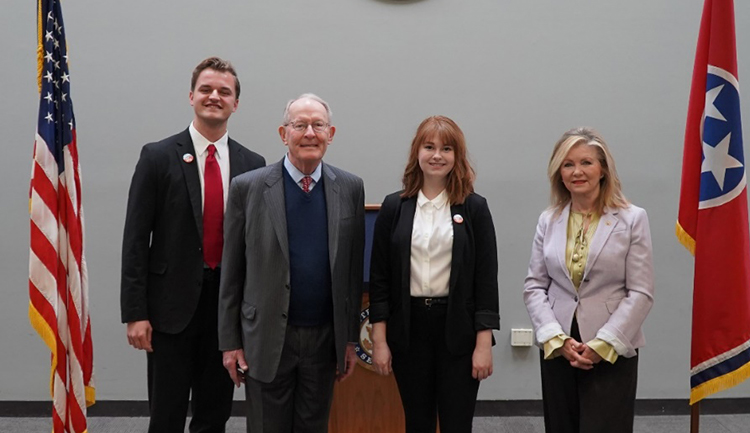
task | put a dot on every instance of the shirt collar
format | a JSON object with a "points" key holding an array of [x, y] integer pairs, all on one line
{"points": [[200, 143], [439, 201], [298, 175]]}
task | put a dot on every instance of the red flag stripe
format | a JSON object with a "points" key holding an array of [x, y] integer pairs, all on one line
{"points": [[713, 223]]}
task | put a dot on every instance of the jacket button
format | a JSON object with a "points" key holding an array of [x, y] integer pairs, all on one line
{"points": [[287, 287], [576, 299], [283, 315]]}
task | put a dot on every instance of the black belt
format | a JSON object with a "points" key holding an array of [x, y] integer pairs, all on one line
{"points": [[428, 302]]}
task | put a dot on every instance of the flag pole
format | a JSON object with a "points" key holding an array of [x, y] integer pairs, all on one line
{"points": [[695, 417]]}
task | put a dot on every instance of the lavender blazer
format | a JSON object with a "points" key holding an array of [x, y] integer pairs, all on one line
{"points": [[617, 290]]}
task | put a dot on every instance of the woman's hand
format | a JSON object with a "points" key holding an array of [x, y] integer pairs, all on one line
{"points": [[591, 354], [381, 353], [481, 360], [573, 350], [381, 358]]}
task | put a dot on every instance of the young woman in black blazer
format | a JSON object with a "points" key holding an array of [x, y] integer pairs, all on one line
{"points": [[433, 283]]}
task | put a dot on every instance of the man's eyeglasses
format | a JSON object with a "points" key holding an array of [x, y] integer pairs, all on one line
{"points": [[317, 126]]}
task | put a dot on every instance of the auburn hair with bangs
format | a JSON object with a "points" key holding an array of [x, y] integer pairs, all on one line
{"points": [[460, 182]]}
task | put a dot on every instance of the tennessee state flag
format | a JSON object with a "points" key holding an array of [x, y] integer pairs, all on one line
{"points": [[712, 221]]}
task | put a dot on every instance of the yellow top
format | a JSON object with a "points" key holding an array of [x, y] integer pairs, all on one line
{"points": [[581, 229]]}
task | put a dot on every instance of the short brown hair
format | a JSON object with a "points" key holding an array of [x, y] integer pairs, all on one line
{"points": [[219, 65], [460, 181], [610, 190]]}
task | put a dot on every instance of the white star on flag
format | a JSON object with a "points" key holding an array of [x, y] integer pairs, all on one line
{"points": [[717, 160], [711, 110]]}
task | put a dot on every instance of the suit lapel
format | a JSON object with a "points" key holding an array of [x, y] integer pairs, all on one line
{"points": [[403, 239], [607, 223], [274, 199], [184, 146], [236, 160], [459, 241], [560, 239], [333, 212]]}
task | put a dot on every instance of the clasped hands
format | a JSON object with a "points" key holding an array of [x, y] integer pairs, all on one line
{"points": [[580, 355]]}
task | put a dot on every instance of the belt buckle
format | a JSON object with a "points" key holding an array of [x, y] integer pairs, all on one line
{"points": [[428, 302]]}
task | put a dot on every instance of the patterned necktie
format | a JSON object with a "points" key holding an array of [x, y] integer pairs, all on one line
{"points": [[306, 181], [213, 210]]}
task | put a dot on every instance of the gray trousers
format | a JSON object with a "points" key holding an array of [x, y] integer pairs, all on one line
{"points": [[298, 400]]}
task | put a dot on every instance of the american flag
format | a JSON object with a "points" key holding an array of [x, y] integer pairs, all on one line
{"points": [[713, 219], [58, 281]]}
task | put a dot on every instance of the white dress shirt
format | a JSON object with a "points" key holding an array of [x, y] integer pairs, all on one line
{"points": [[200, 143], [298, 175], [431, 247]]}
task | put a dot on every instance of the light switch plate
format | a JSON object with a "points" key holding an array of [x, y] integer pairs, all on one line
{"points": [[520, 337]]}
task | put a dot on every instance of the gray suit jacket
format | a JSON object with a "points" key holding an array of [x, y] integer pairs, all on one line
{"points": [[617, 290], [255, 278]]}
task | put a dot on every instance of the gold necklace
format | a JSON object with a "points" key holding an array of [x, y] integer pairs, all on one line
{"points": [[580, 244]]}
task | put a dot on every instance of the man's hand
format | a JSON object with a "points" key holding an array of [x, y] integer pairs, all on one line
{"points": [[572, 350], [139, 335], [233, 359], [350, 361]]}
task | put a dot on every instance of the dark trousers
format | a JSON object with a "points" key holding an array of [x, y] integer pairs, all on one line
{"points": [[298, 400], [190, 361], [433, 383], [598, 400]]}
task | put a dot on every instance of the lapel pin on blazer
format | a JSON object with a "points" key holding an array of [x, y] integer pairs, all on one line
{"points": [[187, 158], [458, 219]]}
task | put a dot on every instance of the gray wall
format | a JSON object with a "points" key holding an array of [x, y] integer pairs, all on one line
{"points": [[514, 74]]}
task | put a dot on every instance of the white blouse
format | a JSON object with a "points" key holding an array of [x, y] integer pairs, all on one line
{"points": [[431, 247]]}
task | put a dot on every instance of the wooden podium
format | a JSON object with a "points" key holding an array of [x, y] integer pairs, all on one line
{"points": [[366, 403]]}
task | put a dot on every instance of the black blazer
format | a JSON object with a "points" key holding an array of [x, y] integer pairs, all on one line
{"points": [[162, 258], [473, 298]]}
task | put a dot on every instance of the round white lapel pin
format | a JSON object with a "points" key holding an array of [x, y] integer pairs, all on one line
{"points": [[458, 219], [187, 158]]}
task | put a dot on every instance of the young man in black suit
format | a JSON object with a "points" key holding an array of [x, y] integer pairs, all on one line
{"points": [[171, 256]]}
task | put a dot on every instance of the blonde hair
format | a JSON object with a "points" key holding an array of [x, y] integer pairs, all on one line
{"points": [[610, 190]]}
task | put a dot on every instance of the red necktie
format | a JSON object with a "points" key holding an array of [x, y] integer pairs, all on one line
{"points": [[306, 181], [213, 210]]}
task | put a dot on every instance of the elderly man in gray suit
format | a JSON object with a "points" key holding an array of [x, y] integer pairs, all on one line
{"points": [[291, 278]]}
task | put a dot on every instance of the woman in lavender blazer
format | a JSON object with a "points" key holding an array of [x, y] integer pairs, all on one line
{"points": [[588, 290]]}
